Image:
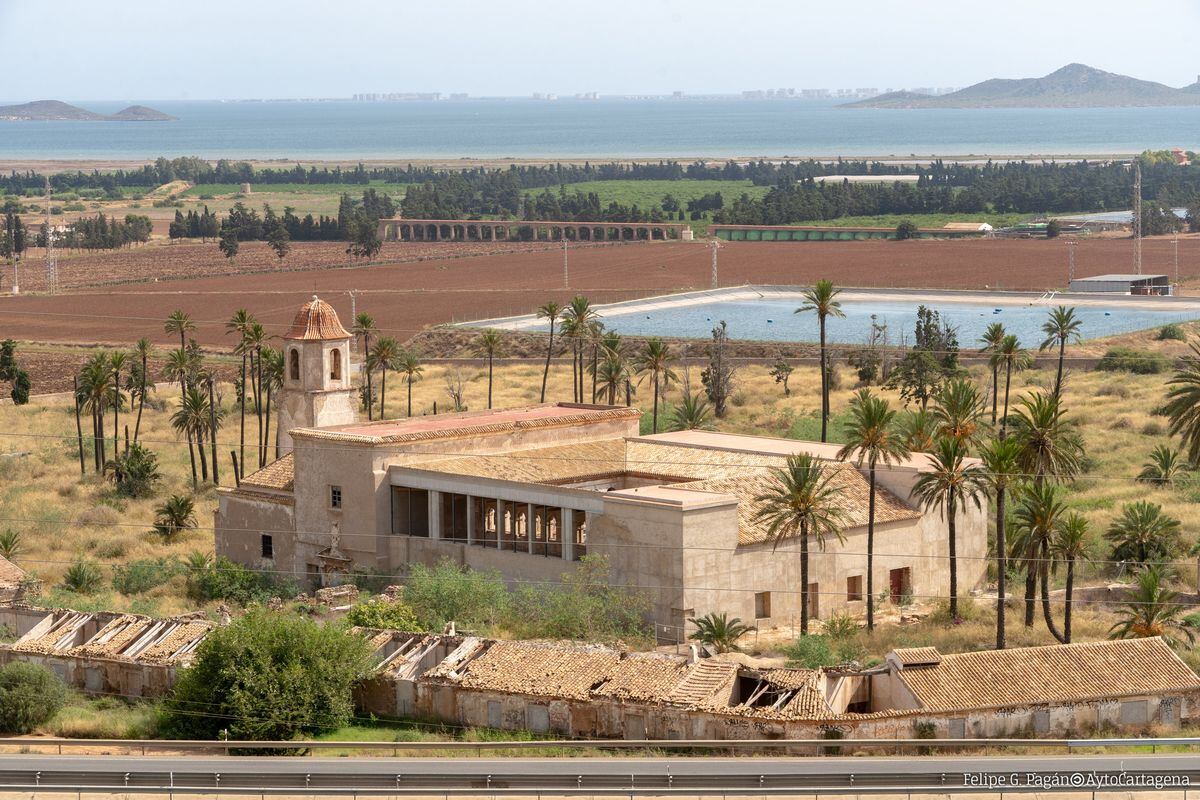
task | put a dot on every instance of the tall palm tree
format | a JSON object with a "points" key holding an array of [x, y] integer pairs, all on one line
{"points": [[692, 414], [142, 350], [800, 501], [1012, 357], [960, 409], [364, 328], [550, 311], [116, 363], [409, 365], [872, 438], [1061, 325], [584, 325], [1038, 517], [950, 484], [490, 343], [991, 340], [178, 368], [271, 365], [239, 324], [255, 343], [1163, 468], [1143, 533], [655, 361], [192, 417], [1002, 461], [612, 373], [918, 429], [822, 298], [93, 394], [1153, 610], [181, 323], [1070, 545], [383, 356]]}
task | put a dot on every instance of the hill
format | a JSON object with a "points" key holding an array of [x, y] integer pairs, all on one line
{"points": [[1073, 86], [56, 110]]}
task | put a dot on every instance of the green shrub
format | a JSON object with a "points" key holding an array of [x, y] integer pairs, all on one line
{"points": [[810, 652], [585, 605], [134, 472], [840, 626], [384, 614], [268, 676], [226, 580], [1172, 332], [29, 696], [1126, 359], [448, 592], [144, 574], [83, 577]]}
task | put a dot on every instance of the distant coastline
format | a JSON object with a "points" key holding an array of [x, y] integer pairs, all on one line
{"points": [[58, 111]]}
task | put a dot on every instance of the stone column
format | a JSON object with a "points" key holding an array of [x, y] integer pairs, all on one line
{"points": [[435, 515], [499, 524], [567, 531], [470, 519], [530, 525]]}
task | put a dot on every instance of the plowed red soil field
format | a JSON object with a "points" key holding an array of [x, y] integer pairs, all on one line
{"points": [[406, 297]]}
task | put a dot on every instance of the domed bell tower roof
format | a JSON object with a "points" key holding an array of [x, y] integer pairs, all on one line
{"points": [[316, 321]]}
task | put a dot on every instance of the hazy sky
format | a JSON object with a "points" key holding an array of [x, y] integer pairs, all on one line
{"points": [[166, 49]]}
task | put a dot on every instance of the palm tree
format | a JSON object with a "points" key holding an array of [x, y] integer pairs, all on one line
{"points": [[550, 311], [1037, 520], [490, 343], [1183, 403], [383, 356], [918, 429], [364, 328], [93, 395], [409, 365], [822, 298], [1153, 610], [991, 340], [801, 501], [1059, 327], [872, 437], [655, 361], [1002, 461], [116, 363], [176, 514], [272, 378], [180, 323], [1070, 545], [1013, 357], [692, 414], [178, 368], [239, 324], [1143, 533], [612, 373], [584, 323], [142, 350], [255, 343], [950, 484], [1163, 468], [719, 631], [959, 409], [193, 416]]}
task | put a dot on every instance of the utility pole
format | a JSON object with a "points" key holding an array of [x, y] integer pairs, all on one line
{"points": [[51, 259], [566, 270], [1070, 262], [1175, 243], [1137, 216], [714, 243]]}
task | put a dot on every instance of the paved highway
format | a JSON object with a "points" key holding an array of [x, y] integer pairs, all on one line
{"points": [[593, 775]]}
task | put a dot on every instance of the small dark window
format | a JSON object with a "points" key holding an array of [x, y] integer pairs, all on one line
{"points": [[294, 364], [268, 547], [854, 588], [762, 605], [335, 365], [335, 497]]}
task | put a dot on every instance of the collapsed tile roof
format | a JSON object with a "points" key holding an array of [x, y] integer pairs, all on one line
{"points": [[1055, 674], [11, 575], [129, 637]]}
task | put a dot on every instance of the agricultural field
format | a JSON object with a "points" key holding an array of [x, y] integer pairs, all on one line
{"points": [[649, 194], [62, 518], [922, 220]]}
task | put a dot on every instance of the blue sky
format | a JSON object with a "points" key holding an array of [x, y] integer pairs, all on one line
{"points": [[165, 49]]}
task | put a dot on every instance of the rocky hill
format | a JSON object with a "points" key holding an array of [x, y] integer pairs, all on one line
{"points": [[56, 110]]}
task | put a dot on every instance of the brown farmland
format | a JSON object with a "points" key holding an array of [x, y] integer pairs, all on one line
{"points": [[408, 297]]}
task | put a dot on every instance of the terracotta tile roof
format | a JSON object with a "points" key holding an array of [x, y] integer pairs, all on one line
{"points": [[277, 476], [316, 320], [705, 680], [1055, 674], [917, 656], [540, 465], [540, 669], [10, 573], [127, 637], [643, 678]]}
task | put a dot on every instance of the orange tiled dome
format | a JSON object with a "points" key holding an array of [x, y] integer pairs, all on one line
{"points": [[316, 319]]}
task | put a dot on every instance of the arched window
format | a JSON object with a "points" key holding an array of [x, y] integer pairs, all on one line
{"points": [[294, 364], [335, 365]]}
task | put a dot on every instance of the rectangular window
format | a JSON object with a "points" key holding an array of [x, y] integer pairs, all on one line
{"points": [[762, 605], [410, 511], [335, 497], [900, 585], [268, 547], [814, 601], [454, 517], [854, 588]]}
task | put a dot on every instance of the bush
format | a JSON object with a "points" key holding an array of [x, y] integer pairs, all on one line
{"points": [[810, 652], [83, 577], [840, 626], [1126, 359], [584, 606], [270, 677], [226, 580], [145, 574], [29, 696], [384, 615], [907, 229], [1172, 332], [134, 472], [449, 593]]}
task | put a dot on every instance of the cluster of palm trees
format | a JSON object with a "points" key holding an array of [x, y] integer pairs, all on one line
{"points": [[384, 354], [260, 379], [105, 382]]}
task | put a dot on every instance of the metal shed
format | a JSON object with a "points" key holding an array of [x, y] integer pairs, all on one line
{"points": [[1123, 284]]}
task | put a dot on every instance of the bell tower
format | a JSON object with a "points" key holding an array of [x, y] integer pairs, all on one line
{"points": [[316, 373]]}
